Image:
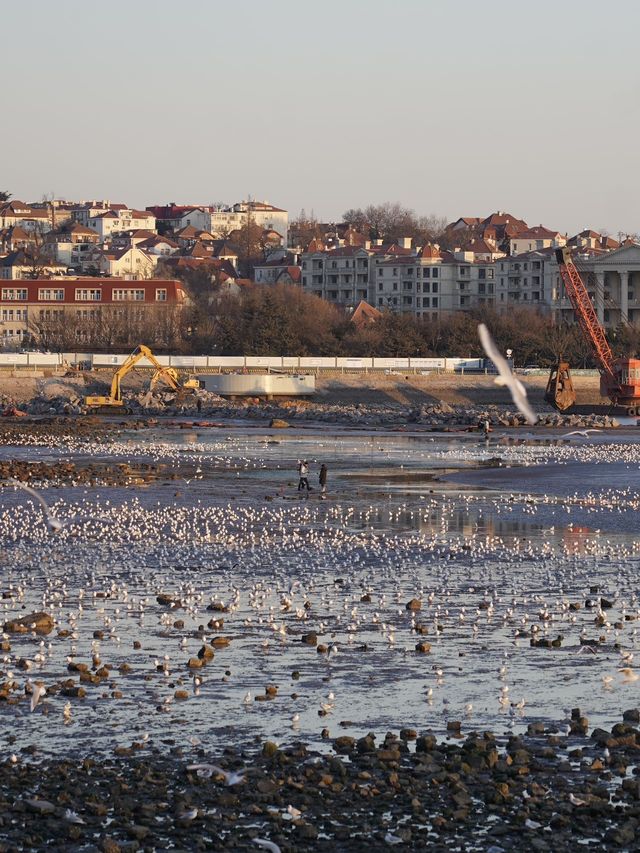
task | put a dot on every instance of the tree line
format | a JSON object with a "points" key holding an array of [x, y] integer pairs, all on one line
{"points": [[284, 320]]}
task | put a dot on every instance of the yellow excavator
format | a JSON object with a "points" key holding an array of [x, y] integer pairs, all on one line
{"points": [[168, 375]]}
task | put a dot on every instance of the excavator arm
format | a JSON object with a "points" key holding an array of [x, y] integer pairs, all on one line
{"points": [[139, 353], [167, 374]]}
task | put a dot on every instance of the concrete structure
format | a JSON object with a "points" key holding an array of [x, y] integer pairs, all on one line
{"points": [[260, 385]]}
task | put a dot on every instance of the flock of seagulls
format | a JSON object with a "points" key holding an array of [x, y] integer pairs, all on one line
{"points": [[525, 604]]}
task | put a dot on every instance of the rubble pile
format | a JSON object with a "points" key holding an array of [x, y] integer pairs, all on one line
{"points": [[439, 415]]}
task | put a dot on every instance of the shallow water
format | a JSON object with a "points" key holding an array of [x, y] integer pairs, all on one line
{"points": [[488, 550]]}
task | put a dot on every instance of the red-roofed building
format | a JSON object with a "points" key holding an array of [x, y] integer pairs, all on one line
{"points": [[538, 237], [175, 217], [26, 306], [365, 314], [18, 213]]}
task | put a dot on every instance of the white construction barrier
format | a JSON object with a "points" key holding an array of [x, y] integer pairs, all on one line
{"points": [[391, 363], [354, 363], [263, 361], [427, 363], [188, 361], [317, 361]]}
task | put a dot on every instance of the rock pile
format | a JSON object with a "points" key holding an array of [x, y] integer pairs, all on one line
{"points": [[542, 791]]}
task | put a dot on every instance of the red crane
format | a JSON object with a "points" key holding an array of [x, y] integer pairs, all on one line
{"points": [[619, 378]]}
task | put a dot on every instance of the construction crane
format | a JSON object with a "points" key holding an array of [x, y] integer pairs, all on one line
{"points": [[619, 377], [166, 374]]}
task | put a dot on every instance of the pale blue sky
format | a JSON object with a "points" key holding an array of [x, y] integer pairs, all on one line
{"points": [[453, 108]]}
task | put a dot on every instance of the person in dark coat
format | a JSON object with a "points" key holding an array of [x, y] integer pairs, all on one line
{"points": [[322, 479]]}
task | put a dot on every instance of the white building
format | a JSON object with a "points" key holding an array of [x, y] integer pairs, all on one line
{"points": [[269, 218], [338, 275], [613, 282], [534, 238], [526, 279], [113, 221]]}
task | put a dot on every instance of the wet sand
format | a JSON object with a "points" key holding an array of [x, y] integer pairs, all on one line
{"points": [[223, 553]]}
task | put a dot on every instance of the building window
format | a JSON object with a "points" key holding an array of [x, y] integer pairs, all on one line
{"points": [[380, 270], [434, 274], [128, 295], [434, 287], [490, 273], [426, 302], [426, 272], [434, 302], [161, 294], [380, 285], [88, 295], [17, 294], [50, 295]]}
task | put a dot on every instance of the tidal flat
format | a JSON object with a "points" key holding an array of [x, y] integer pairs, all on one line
{"points": [[440, 652]]}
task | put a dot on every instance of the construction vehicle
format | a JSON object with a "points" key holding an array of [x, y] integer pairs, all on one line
{"points": [[619, 377], [170, 376], [167, 374]]}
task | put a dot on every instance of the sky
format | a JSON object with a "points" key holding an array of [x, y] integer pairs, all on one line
{"points": [[450, 108]]}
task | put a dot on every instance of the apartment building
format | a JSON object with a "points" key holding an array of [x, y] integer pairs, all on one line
{"points": [[339, 275], [425, 283], [25, 304], [525, 279]]}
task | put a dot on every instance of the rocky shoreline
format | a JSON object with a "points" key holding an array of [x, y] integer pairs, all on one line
{"points": [[441, 415], [546, 790]]}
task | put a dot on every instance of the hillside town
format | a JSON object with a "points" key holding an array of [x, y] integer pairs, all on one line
{"points": [[88, 261]]}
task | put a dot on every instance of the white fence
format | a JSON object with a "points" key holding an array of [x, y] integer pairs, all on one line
{"points": [[240, 362]]}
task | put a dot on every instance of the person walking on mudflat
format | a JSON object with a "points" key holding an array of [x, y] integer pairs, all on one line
{"points": [[303, 473], [322, 479]]}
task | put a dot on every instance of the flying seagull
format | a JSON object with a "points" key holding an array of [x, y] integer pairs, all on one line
{"points": [[54, 524], [505, 376]]}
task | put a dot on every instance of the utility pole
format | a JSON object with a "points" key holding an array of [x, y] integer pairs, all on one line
{"points": [[248, 229]]}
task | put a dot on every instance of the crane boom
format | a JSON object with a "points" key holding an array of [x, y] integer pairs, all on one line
{"points": [[585, 312]]}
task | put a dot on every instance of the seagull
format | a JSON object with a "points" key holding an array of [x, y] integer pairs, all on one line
{"points": [[584, 433], [54, 524], [267, 845], [37, 693], [205, 771], [505, 376]]}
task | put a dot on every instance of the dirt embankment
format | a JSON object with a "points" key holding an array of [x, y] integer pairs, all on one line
{"points": [[335, 389], [472, 390]]}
